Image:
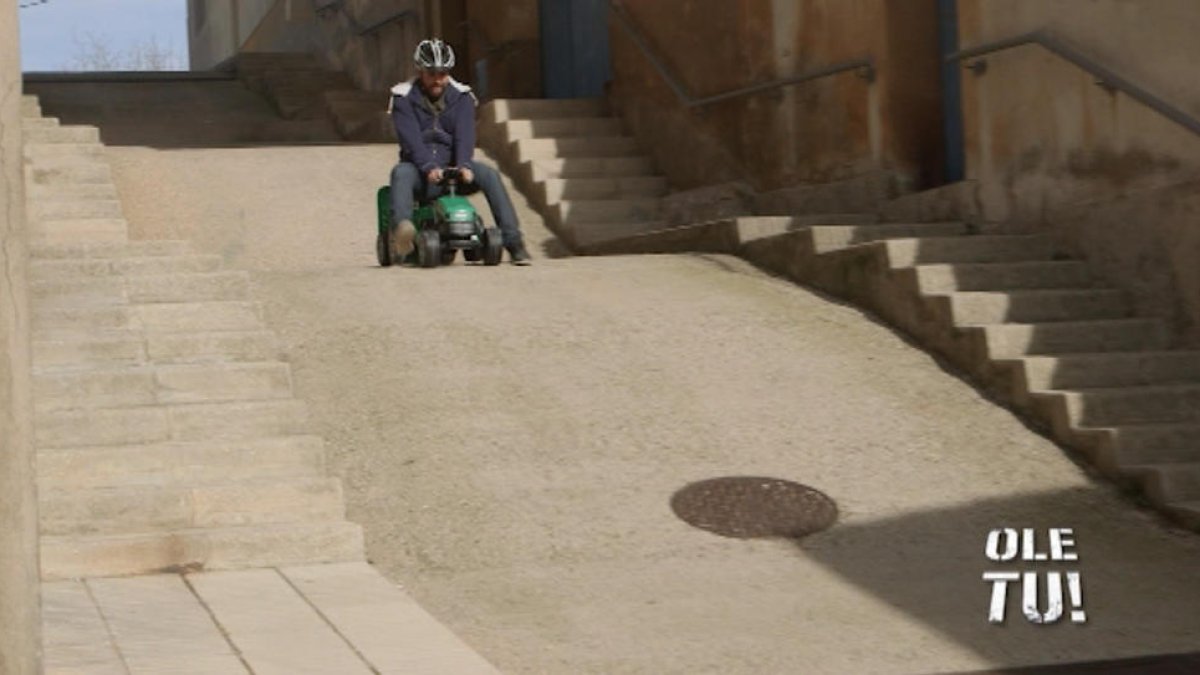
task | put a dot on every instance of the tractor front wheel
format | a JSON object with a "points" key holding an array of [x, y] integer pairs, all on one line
{"points": [[429, 248]]}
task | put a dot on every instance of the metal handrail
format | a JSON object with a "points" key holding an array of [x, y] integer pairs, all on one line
{"points": [[865, 67], [1104, 77]]}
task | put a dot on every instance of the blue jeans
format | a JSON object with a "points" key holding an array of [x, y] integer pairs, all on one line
{"points": [[406, 179]]}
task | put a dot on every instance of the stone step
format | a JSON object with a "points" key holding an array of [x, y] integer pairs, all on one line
{"points": [[79, 230], [30, 107], [1168, 483], [555, 190], [28, 123], [184, 422], [181, 463], [1115, 335], [981, 308], [135, 348], [61, 134], [1168, 403], [69, 171], [276, 60], [57, 208], [219, 315], [117, 289], [948, 278], [131, 249], [95, 292], [1154, 443], [588, 234], [529, 149], [502, 110], [70, 191], [605, 211], [563, 128], [129, 510], [378, 99], [38, 152], [1186, 512], [1075, 371], [588, 167], [976, 249], [827, 238], [151, 265], [112, 350], [201, 549], [160, 384]]}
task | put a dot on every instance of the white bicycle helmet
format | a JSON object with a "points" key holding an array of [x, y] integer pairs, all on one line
{"points": [[434, 55]]}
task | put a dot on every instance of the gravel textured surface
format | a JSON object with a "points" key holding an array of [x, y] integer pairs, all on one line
{"points": [[511, 439]]}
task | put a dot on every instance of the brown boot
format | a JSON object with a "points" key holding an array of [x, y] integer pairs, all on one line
{"points": [[402, 240]]}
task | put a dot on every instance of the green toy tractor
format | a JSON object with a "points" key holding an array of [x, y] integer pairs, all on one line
{"points": [[444, 225]]}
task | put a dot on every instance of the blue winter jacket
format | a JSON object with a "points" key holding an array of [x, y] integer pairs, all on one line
{"points": [[429, 140]]}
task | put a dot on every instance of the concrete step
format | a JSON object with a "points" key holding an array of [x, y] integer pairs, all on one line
{"points": [[89, 170], [210, 286], [948, 278], [57, 208], [1186, 512], [563, 128], [160, 384], [835, 237], [502, 110], [588, 167], [276, 60], [130, 249], [128, 510], [39, 123], [969, 249], [1075, 371], [160, 423], [1155, 443], [201, 549], [1072, 337], [112, 350], [152, 265], [109, 230], [980, 308], [1116, 406], [555, 190], [182, 463], [351, 96], [1168, 483], [38, 152], [61, 134], [588, 234], [30, 107], [220, 315], [605, 211], [529, 149], [100, 291], [82, 191]]}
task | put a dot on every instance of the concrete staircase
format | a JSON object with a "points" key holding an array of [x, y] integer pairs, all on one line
{"points": [[589, 179], [1023, 319], [167, 434], [300, 88]]}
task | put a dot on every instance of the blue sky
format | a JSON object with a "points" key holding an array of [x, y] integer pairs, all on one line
{"points": [[48, 31]]}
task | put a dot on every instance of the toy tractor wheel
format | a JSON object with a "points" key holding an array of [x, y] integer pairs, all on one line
{"points": [[493, 246], [448, 256], [383, 248], [429, 248]]}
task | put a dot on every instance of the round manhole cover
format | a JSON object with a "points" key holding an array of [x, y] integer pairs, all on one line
{"points": [[748, 506]]}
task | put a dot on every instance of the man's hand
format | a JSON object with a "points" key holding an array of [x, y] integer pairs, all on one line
{"points": [[468, 176], [434, 176]]}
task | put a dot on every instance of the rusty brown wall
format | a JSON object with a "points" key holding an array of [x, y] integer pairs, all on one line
{"points": [[1051, 149], [820, 131]]}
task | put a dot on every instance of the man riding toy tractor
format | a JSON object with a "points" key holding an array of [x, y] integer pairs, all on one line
{"points": [[434, 116]]}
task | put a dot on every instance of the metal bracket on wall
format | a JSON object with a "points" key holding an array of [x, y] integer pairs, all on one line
{"points": [[978, 66]]}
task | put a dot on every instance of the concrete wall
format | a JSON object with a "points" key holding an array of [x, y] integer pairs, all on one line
{"points": [[1050, 149], [380, 59], [506, 35], [20, 621], [218, 28], [830, 129]]}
